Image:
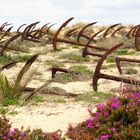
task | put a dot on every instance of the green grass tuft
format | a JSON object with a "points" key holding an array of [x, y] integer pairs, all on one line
{"points": [[75, 57], [5, 59]]}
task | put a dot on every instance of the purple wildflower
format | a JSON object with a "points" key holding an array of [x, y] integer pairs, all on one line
{"points": [[114, 99], [23, 134], [97, 114], [115, 105], [5, 137], [104, 137], [89, 123], [138, 101], [106, 114], [114, 129], [135, 95], [101, 106]]}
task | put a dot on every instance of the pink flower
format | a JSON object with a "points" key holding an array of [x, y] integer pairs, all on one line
{"points": [[124, 89], [115, 105], [89, 123], [106, 114], [114, 129], [101, 106], [90, 110], [114, 99], [104, 137]]}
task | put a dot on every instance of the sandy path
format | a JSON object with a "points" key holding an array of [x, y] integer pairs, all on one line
{"points": [[49, 117]]}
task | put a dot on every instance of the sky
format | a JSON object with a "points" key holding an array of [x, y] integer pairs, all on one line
{"points": [[105, 12]]}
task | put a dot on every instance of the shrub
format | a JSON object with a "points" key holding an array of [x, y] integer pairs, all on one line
{"points": [[11, 92], [7, 133], [75, 57], [116, 120], [4, 59], [76, 73], [23, 58], [124, 52]]}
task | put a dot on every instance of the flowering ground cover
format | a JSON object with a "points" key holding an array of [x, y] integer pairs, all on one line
{"points": [[118, 119]]}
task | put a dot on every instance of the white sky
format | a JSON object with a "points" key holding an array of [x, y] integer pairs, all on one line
{"points": [[57, 11]]}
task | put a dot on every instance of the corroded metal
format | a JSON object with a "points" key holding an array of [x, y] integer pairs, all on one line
{"points": [[86, 52], [4, 47], [41, 33], [120, 59], [109, 28], [91, 39], [120, 28], [18, 30], [137, 39], [26, 35], [48, 29], [9, 65], [58, 31], [55, 38], [3, 26], [71, 32], [6, 33], [132, 32], [98, 74], [80, 44], [82, 30], [55, 69]]}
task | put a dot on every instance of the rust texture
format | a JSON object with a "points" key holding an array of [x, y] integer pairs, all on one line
{"points": [[97, 73], [109, 28], [9, 65], [131, 32], [120, 28], [56, 69], [32, 33], [82, 30], [58, 31], [119, 59], [137, 38], [71, 32]]}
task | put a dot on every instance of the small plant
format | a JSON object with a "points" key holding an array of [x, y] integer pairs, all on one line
{"points": [[23, 58], [61, 49], [108, 42], [110, 60], [63, 78], [3, 110], [75, 47], [131, 71], [118, 119], [80, 69], [60, 100], [5, 59], [10, 102], [7, 133], [111, 65], [13, 112], [38, 99], [94, 97], [75, 57], [129, 43], [124, 52], [54, 63], [76, 73], [11, 92]]}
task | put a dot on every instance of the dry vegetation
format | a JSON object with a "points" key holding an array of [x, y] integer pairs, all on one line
{"points": [[52, 106]]}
